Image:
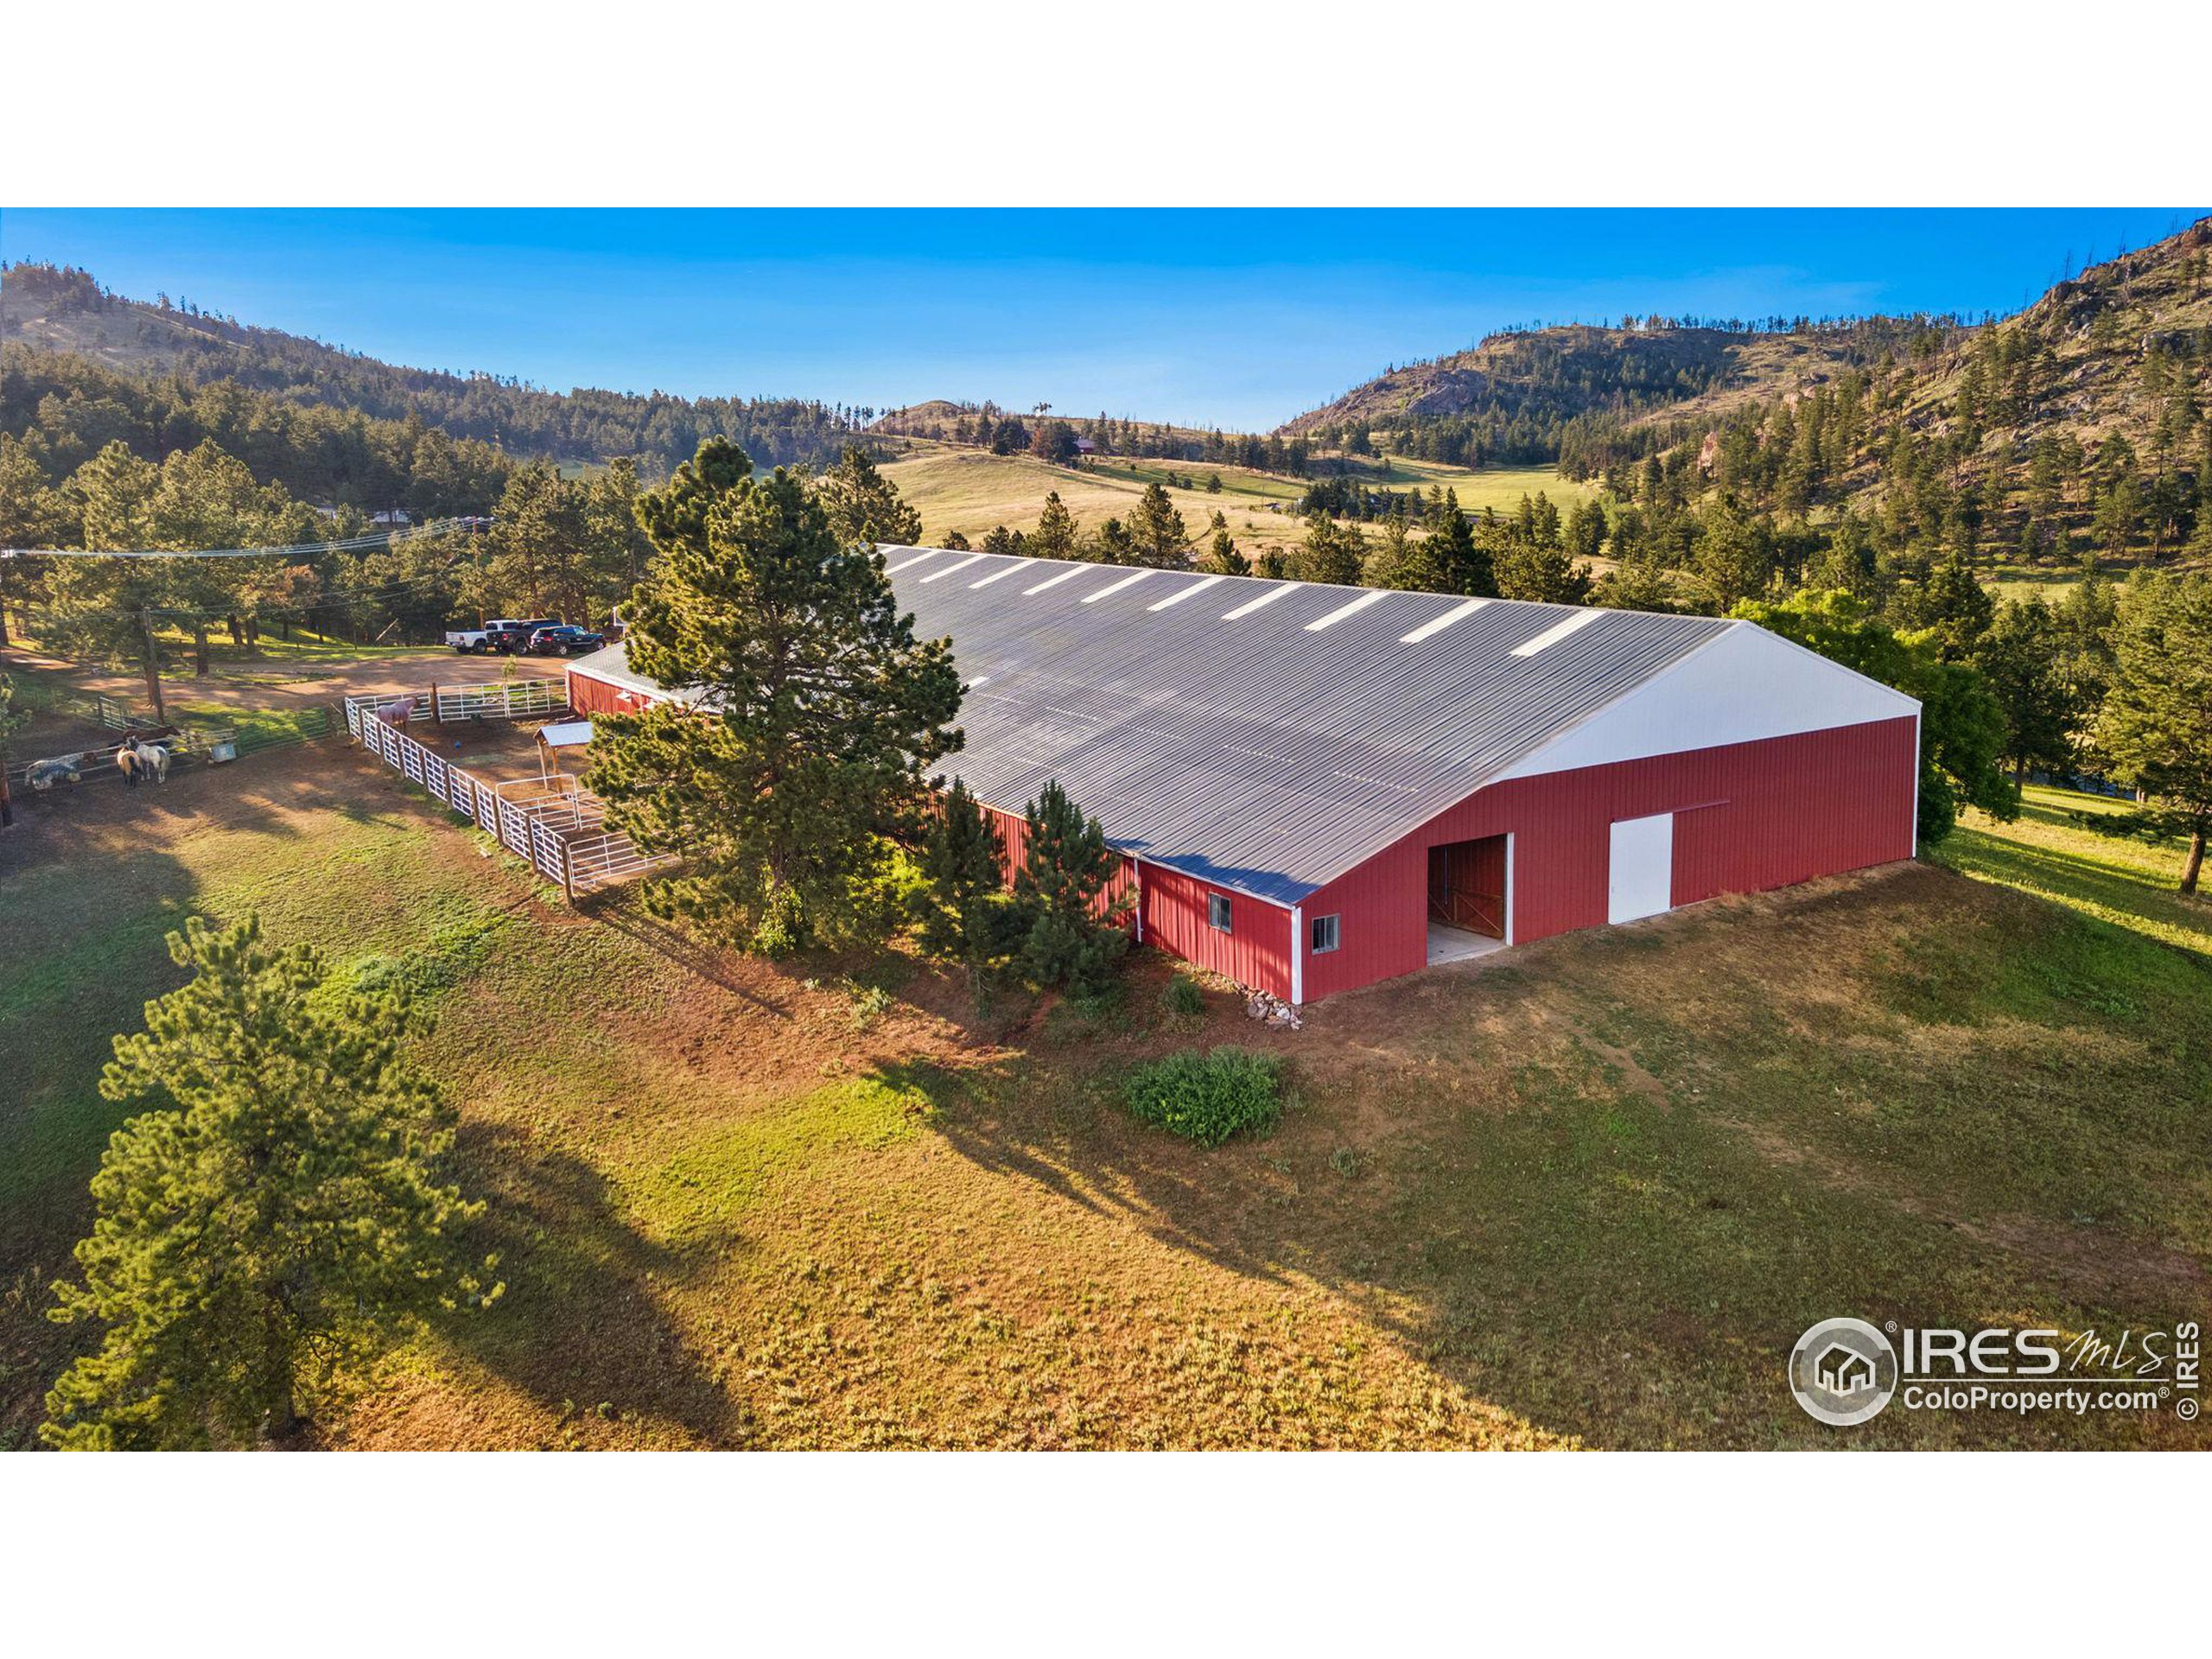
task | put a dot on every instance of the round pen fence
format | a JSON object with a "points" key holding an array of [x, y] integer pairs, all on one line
{"points": [[554, 823]]}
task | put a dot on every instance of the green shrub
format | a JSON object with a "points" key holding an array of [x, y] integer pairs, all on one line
{"points": [[1207, 1098], [782, 929], [1183, 996]]}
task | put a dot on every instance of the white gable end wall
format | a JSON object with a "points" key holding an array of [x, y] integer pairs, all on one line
{"points": [[1743, 686]]}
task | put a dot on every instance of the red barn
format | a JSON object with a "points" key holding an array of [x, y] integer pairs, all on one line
{"points": [[1316, 787]]}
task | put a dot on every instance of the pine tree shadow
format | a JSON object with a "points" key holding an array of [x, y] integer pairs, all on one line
{"points": [[583, 1326]]}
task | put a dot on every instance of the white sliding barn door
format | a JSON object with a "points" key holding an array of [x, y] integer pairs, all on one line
{"points": [[1640, 879]]}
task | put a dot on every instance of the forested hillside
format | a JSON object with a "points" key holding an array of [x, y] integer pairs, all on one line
{"points": [[66, 311], [2077, 425], [1527, 395]]}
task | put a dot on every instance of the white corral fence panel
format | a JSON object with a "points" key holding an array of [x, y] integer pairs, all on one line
{"points": [[502, 700], [604, 860], [556, 825], [360, 710]]}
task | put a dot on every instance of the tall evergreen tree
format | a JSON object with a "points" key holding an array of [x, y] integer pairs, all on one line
{"points": [[2019, 659], [279, 1214], [2156, 726], [1072, 939], [1332, 553], [966, 911], [1112, 545], [538, 553], [811, 713], [1057, 534], [1398, 560], [12, 720], [1953, 606], [863, 506], [1156, 532], [1530, 570], [108, 608], [1222, 557], [31, 515], [1461, 561]]}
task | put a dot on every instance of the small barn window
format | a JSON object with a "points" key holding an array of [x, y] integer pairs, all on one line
{"points": [[1217, 910], [1324, 934]]}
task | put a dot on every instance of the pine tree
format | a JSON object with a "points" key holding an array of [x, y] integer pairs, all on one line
{"points": [[2156, 726], [538, 553], [1156, 532], [967, 914], [1222, 557], [1638, 583], [277, 1218], [1955, 607], [31, 515], [1735, 554], [2019, 658], [1397, 560], [1057, 533], [105, 608], [863, 506], [808, 714], [1333, 553], [1112, 545], [1545, 575], [1459, 563], [1072, 939]]}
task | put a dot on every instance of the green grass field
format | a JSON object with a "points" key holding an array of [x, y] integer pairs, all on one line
{"points": [[972, 491], [1587, 1195], [2123, 883]]}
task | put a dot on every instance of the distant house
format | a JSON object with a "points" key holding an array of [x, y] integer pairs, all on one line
{"points": [[394, 519], [1085, 447]]}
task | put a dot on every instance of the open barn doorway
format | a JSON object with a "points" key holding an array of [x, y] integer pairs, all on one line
{"points": [[1466, 898]]}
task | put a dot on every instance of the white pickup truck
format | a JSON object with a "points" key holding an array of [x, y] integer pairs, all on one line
{"points": [[500, 634]]}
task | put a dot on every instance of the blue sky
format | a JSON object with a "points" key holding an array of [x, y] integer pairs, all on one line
{"points": [[1236, 318]]}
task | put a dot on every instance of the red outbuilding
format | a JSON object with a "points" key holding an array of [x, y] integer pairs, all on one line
{"points": [[1315, 787]]}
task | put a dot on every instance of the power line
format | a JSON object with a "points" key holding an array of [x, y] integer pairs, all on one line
{"points": [[328, 599], [292, 550]]}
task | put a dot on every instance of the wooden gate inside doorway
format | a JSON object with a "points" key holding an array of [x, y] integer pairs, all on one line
{"points": [[1466, 886]]}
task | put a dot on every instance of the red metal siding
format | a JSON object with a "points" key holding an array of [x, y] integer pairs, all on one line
{"points": [[1013, 837], [1749, 816], [588, 696], [1255, 951]]}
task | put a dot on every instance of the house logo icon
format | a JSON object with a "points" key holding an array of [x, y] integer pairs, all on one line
{"points": [[1843, 1371], [1840, 1369]]}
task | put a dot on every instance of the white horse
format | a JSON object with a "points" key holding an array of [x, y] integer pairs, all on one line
{"points": [[140, 760]]}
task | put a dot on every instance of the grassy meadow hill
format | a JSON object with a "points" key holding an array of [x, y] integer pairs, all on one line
{"points": [[1587, 1194], [958, 488]]}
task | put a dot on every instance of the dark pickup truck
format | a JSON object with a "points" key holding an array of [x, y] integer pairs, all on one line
{"points": [[563, 639]]}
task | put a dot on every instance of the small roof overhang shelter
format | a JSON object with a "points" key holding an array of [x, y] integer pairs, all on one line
{"points": [[565, 734]]}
